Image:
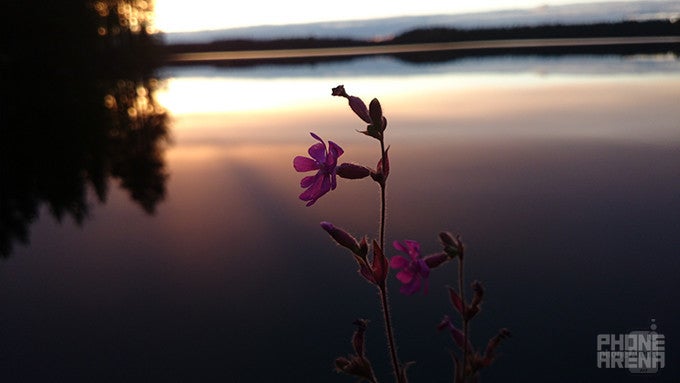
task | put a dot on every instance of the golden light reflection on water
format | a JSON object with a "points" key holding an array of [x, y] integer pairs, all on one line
{"points": [[236, 137], [236, 110]]}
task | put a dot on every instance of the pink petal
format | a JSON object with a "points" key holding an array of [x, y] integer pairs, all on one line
{"points": [[413, 248], [334, 151], [405, 276], [318, 152], [313, 190], [411, 287], [397, 245], [320, 187], [334, 181], [308, 181], [424, 270], [398, 262], [305, 164]]}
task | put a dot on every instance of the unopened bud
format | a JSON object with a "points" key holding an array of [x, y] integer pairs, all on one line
{"points": [[436, 260], [352, 171], [375, 111], [452, 245], [342, 237]]}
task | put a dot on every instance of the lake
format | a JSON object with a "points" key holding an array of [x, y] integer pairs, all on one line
{"points": [[561, 174]]}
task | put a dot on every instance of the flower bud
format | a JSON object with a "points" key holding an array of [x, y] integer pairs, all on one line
{"points": [[382, 169], [375, 111], [452, 245], [357, 105], [479, 293], [436, 260], [380, 265], [447, 238], [359, 338], [359, 108], [352, 171], [342, 237]]}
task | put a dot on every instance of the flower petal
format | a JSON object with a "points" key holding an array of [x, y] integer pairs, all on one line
{"points": [[397, 245], [320, 187], [308, 181], [334, 181], [398, 262], [305, 164], [405, 276], [334, 151], [423, 269], [411, 287], [318, 152], [413, 248]]}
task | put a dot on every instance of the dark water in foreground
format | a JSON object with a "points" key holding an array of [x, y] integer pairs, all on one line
{"points": [[562, 176]]}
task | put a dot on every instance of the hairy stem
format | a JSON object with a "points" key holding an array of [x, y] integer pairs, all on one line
{"points": [[382, 197], [383, 289], [461, 284], [390, 334]]}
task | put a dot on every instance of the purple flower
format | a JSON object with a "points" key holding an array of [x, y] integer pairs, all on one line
{"points": [[322, 160], [412, 270]]}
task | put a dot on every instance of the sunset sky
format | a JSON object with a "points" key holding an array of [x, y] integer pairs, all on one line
{"points": [[182, 15]]}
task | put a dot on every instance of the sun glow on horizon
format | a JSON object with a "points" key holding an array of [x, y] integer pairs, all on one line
{"points": [[183, 16]]}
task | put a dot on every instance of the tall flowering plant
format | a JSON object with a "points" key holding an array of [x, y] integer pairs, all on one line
{"points": [[412, 269]]}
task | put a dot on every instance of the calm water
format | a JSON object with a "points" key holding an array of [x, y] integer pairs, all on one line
{"points": [[561, 174]]}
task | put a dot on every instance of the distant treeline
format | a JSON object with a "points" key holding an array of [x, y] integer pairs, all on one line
{"points": [[443, 34], [451, 35], [621, 29], [249, 45]]}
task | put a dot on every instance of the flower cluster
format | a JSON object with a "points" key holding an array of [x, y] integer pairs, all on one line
{"points": [[413, 270]]}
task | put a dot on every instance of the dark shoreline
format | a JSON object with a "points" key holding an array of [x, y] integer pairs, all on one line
{"points": [[441, 44]]}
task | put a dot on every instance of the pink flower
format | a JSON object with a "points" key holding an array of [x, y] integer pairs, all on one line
{"points": [[412, 270], [322, 160]]}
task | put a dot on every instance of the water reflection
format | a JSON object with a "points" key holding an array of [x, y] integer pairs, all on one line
{"points": [[561, 174], [78, 109], [561, 180]]}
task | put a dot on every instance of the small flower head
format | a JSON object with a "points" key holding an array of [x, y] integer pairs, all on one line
{"points": [[358, 106], [324, 161], [413, 269]]}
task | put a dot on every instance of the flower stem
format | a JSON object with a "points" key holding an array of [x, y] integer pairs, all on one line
{"points": [[461, 284], [383, 288], [382, 197], [390, 334]]}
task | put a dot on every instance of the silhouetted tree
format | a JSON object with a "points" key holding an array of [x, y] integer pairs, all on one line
{"points": [[77, 109]]}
